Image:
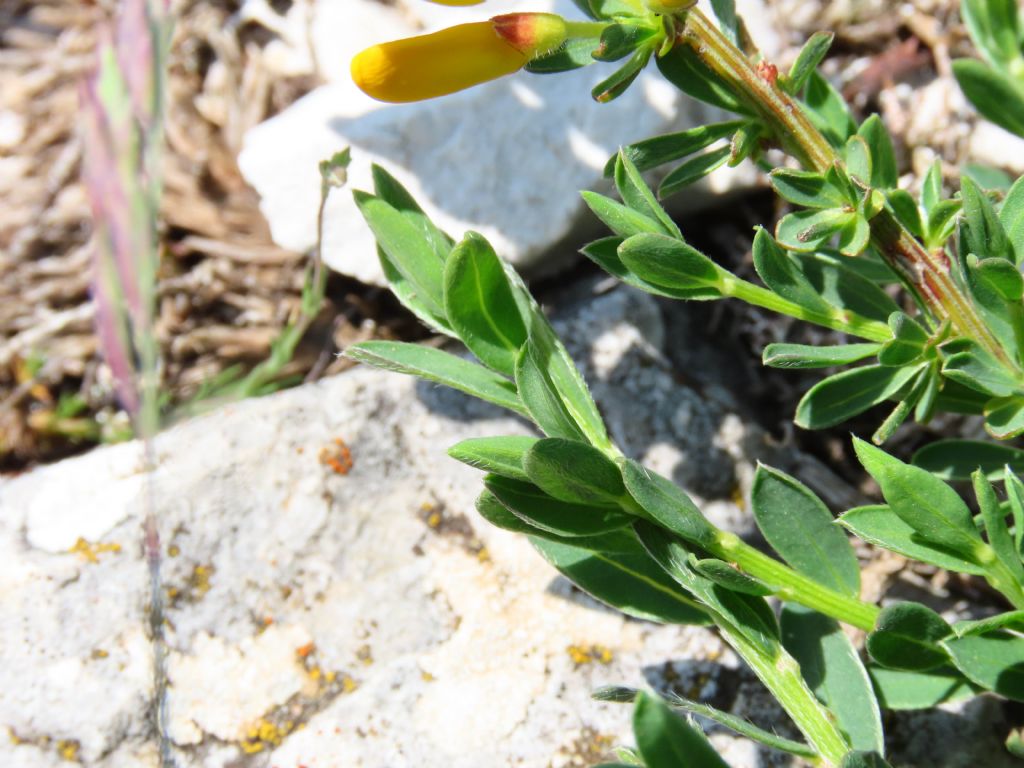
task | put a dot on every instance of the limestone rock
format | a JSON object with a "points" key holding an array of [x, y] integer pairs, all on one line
{"points": [[332, 598], [507, 158]]}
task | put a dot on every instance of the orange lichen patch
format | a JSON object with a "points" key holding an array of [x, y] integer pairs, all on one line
{"points": [[265, 733], [305, 650], [99, 653], [426, 677], [68, 750], [365, 655], [737, 497], [199, 581], [587, 654], [483, 555], [337, 456], [348, 684], [91, 552]]}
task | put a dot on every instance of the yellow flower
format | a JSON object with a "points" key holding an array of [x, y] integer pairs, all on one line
{"points": [[455, 58]]}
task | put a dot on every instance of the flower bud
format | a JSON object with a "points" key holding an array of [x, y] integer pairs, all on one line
{"points": [[670, 6], [455, 58], [533, 34]]}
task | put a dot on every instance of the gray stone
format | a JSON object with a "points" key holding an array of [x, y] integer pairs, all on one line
{"points": [[507, 158]]}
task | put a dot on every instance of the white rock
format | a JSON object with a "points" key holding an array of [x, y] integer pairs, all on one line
{"points": [[995, 146], [507, 158]]}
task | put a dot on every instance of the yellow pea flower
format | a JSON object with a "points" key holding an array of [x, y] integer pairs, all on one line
{"points": [[455, 58]]}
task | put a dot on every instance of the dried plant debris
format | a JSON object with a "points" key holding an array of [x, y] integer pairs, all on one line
{"points": [[225, 292]]}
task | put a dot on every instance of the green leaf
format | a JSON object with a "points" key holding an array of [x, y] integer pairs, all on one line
{"points": [[620, 541], [1011, 215], [440, 367], [672, 264], [616, 84], [904, 207], [987, 177], [498, 455], [573, 54], [807, 61], [854, 236], [1001, 276], [407, 249], [682, 67], [833, 670], [782, 275], [994, 27], [634, 584], [995, 662], [877, 524], [903, 689], [931, 188], [957, 459], [540, 395], [734, 612], [828, 111], [996, 96], [605, 253], [665, 740], [659, 150], [725, 12], [725, 575], [806, 188], [638, 196], [864, 760], [844, 395], [798, 525], [907, 636], [925, 503], [553, 390], [620, 40], [858, 159], [562, 518], [1010, 620], [693, 170], [810, 230], [621, 695], [667, 504], [391, 191], [841, 287], [619, 218], [574, 471], [984, 233], [480, 305], [884, 170], [974, 367], [406, 293], [807, 356], [995, 525], [1015, 494]]}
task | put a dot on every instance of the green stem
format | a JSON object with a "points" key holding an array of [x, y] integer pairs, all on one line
{"points": [[576, 29], [781, 675], [793, 585], [925, 273], [838, 320]]}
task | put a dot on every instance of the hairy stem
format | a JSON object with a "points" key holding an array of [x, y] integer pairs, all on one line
{"points": [[926, 274]]}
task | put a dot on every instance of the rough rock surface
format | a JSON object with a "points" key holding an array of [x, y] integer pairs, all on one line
{"points": [[507, 158], [333, 601]]}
